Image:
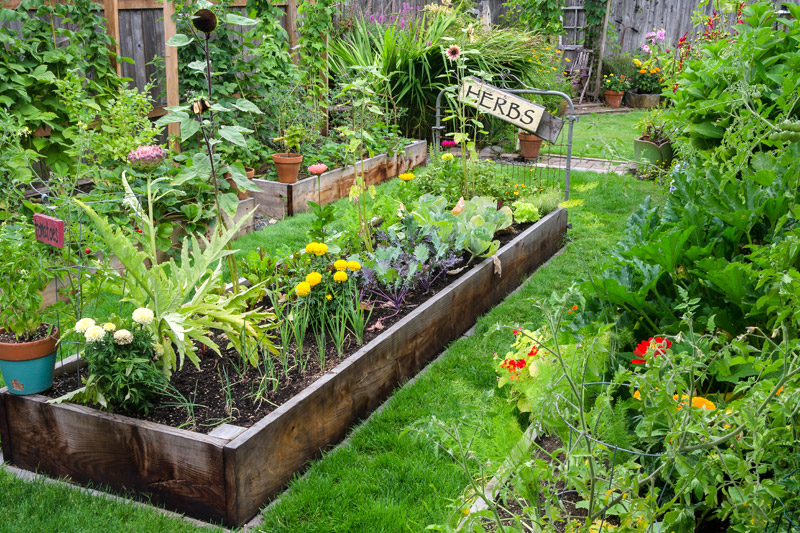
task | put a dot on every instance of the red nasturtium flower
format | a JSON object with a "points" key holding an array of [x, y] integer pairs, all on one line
{"points": [[534, 351], [516, 332], [655, 344]]}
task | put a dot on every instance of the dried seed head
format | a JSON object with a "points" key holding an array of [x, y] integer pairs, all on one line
{"points": [[205, 20]]}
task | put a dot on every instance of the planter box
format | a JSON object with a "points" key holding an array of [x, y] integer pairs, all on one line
{"points": [[285, 199], [641, 101], [230, 474]]}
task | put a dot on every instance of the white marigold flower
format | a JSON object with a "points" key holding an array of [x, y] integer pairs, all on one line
{"points": [[83, 324], [109, 327], [123, 336], [143, 316], [94, 333]]}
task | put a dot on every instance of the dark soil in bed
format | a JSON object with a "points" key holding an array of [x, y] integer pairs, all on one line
{"points": [[227, 390]]}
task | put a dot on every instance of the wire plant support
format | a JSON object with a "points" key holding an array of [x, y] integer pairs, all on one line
{"points": [[504, 77]]}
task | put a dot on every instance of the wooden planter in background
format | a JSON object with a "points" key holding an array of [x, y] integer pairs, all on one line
{"points": [[279, 200], [228, 475]]}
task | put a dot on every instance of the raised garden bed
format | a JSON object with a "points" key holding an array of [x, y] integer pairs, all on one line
{"points": [[229, 474], [285, 199]]}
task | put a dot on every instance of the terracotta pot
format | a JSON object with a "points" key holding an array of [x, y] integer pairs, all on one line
{"points": [[287, 166], [27, 367], [242, 195], [614, 98], [529, 145]]}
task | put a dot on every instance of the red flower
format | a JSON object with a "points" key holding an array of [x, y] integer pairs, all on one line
{"points": [[656, 345], [521, 363], [138, 230], [534, 351], [516, 332]]}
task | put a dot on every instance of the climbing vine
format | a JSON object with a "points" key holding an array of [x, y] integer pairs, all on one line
{"points": [[541, 15], [317, 23]]}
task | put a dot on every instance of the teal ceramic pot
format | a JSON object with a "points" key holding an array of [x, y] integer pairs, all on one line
{"points": [[27, 367]]}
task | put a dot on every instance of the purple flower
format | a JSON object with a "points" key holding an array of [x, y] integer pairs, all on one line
{"points": [[427, 43], [147, 158]]}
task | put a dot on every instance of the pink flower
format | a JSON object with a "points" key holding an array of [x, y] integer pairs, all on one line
{"points": [[453, 53], [317, 169], [448, 144], [646, 49], [661, 35], [650, 36], [147, 157]]}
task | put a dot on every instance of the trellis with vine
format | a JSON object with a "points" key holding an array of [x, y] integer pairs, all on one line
{"points": [[317, 24]]}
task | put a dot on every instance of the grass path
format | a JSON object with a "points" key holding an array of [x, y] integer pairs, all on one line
{"points": [[380, 480]]}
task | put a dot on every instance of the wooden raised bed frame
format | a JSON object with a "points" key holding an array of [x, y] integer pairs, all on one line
{"points": [[285, 199], [228, 475]]}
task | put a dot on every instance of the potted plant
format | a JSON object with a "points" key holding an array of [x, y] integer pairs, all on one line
{"points": [[614, 87], [655, 144], [27, 345], [287, 164], [646, 91], [529, 144]]}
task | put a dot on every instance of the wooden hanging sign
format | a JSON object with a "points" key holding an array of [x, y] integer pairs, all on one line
{"points": [[49, 230], [510, 108]]}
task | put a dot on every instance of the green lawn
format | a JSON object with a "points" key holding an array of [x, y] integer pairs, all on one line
{"points": [[607, 136], [381, 479]]}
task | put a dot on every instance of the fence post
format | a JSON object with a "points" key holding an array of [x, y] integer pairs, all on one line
{"points": [[291, 30], [171, 67], [111, 11], [602, 52]]}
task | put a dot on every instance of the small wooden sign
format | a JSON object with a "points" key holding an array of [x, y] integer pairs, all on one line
{"points": [[49, 230], [510, 108]]}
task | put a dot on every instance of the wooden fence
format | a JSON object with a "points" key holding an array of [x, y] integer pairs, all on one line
{"points": [[142, 28]]}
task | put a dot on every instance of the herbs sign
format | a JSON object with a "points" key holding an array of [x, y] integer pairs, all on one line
{"points": [[503, 105]]}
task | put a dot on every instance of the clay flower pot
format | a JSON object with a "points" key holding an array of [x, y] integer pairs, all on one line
{"points": [[242, 195], [614, 98], [287, 166], [27, 367], [529, 145]]}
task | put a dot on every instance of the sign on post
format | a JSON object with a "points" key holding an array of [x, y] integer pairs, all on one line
{"points": [[510, 108], [49, 230]]}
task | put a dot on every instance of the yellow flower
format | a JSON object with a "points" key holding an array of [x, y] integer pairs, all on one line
{"points": [[340, 264], [83, 324], [447, 157], [328, 297], [321, 248], [637, 62], [314, 278], [109, 326], [698, 402], [637, 395], [354, 265], [340, 277], [302, 289], [310, 247], [653, 71], [408, 176], [567, 59]]}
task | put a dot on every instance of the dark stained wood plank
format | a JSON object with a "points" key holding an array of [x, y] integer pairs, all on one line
{"points": [[153, 46], [177, 468], [260, 461]]}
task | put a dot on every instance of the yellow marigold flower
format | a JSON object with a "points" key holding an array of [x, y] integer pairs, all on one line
{"points": [[354, 265], [447, 157], [328, 297], [340, 277], [321, 248], [637, 395], [408, 176], [341, 264], [637, 62], [302, 289], [314, 278], [567, 59], [310, 247]]}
